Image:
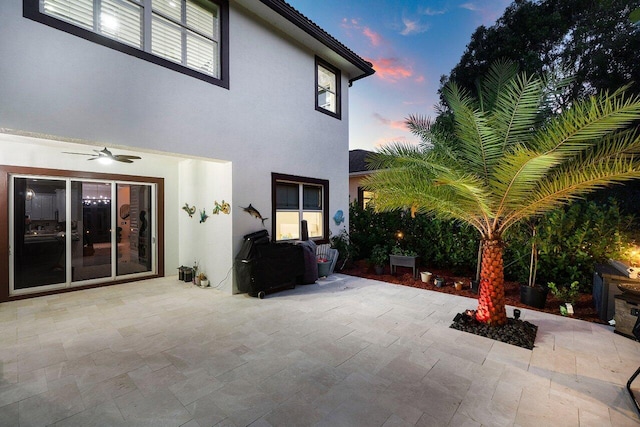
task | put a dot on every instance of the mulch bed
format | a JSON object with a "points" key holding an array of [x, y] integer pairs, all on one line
{"points": [[584, 308]]}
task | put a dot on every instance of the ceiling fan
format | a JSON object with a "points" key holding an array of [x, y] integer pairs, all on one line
{"points": [[105, 155]]}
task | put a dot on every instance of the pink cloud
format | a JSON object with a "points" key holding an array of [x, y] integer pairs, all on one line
{"points": [[354, 24], [373, 37], [390, 69], [393, 124], [419, 79]]}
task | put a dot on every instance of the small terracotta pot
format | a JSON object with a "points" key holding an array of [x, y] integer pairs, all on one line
{"points": [[458, 285]]}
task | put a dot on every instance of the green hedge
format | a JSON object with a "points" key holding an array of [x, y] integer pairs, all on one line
{"points": [[570, 241]]}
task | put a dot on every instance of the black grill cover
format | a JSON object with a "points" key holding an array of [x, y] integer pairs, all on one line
{"points": [[263, 266]]}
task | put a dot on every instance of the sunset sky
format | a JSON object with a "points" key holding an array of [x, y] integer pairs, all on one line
{"points": [[411, 43]]}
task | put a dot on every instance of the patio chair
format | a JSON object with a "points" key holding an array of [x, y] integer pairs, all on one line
{"points": [[330, 254]]}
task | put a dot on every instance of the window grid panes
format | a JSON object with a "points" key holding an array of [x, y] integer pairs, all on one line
{"points": [[122, 21], [186, 32], [327, 89], [289, 210]]}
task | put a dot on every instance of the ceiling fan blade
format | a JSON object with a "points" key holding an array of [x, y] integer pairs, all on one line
{"points": [[79, 154], [105, 153], [121, 157]]}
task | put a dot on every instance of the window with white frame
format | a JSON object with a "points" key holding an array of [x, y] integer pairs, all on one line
{"points": [[327, 89], [297, 199], [187, 33]]}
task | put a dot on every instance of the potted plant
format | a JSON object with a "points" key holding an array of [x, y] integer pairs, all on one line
{"points": [[378, 258], [203, 281], [425, 276], [531, 294], [439, 282], [567, 296]]}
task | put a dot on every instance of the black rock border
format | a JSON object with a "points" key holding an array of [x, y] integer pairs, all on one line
{"points": [[515, 332]]}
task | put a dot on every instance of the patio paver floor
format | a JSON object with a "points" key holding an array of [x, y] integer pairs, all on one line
{"points": [[344, 352]]}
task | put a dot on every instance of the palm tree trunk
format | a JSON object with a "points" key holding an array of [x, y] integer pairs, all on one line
{"points": [[491, 307]]}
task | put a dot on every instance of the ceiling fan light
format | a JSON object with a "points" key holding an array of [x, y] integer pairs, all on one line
{"points": [[105, 160]]}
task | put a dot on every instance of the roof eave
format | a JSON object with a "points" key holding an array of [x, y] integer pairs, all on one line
{"points": [[299, 20]]}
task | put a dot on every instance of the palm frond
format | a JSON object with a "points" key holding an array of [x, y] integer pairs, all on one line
{"points": [[501, 73], [569, 184], [517, 109], [589, 120], [479, 144]]}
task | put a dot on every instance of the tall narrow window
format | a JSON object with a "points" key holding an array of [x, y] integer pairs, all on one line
{"points": [[297, 199], [327, 89]]}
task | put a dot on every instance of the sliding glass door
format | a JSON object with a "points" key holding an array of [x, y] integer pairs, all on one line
{"points": [[70, 232], [39, 243], [134, 235]]}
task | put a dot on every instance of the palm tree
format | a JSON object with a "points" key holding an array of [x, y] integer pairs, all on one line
{"points": [[507, 158]]}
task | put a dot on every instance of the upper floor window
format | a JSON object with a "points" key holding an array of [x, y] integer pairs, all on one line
{"points": [[185, 35], [297, 199], [327, 89]]}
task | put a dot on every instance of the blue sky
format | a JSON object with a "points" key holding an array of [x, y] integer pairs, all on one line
{"points": [[411, 43]]}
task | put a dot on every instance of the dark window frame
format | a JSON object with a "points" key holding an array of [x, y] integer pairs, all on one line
{"points": [[6, 171], [31, 10], [278, 177], [325, 64]]}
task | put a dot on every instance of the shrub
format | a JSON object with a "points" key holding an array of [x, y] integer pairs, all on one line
{"points": [[570, 241]]}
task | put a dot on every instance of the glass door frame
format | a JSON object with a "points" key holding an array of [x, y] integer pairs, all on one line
{"points": [[6, 233]]}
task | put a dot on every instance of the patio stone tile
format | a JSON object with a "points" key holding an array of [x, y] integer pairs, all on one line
{"points": [[293, 412], [536, 409], [355, 413], [9, 414], [160, 352], [158, 409], [197, 385], [29, 384], [51, 406], [242, 401], [95, 394], [401, 369], [206, 413], [45, 356], [148, 381], [460, 420], [104, 414]]}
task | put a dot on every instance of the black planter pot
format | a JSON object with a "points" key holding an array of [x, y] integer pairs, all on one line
{"points": [[475, 286], [378, 269], [533, 296]]}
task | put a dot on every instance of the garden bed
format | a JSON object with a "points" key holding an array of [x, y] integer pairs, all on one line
{"points": [[584, 308]]}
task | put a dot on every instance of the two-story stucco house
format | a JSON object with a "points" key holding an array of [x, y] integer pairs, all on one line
{"points": [[234, 102]]}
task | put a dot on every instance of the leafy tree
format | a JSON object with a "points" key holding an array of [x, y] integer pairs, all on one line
{"points": [[595, 41], [503, 163]]}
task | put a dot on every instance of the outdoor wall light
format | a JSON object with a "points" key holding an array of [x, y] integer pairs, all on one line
{"points": [[516, 313]]}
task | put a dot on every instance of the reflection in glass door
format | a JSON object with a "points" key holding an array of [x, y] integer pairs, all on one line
{"points": [[91, 220], [134, 230], [70, 232], [39, 244]]}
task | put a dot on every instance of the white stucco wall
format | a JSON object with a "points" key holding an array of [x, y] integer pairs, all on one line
{"points": [[59, 84]]}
